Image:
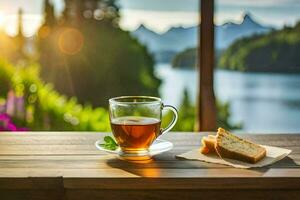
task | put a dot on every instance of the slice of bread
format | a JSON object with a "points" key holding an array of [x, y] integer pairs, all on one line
{"points": [[208, 144], [228, 145]]}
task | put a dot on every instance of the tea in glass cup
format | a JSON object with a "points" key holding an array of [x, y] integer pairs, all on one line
{"points": [[136, 123]]}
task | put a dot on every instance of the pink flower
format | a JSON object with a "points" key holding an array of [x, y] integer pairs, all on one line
{"points": [[2, 107], [20, 107], [10, 103], [6, 124]]}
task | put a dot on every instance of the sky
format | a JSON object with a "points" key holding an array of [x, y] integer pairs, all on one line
{"points": [[160, 15]]}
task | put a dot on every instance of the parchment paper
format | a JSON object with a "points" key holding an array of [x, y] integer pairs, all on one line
{"points": [[274, 154]]}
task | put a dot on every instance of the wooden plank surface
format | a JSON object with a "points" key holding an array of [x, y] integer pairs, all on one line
{"points": [[183, 194], [54, 161]]}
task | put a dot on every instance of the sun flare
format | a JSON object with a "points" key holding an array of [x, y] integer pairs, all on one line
{"points": [[2, 19]]}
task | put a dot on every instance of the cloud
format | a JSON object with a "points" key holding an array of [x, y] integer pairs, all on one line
{"points": [[10, 7], [160, 5], [258, 3], [159, 21], [31, 23], [193, 5]]}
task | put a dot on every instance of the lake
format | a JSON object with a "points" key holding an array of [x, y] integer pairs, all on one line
{"points": [[263, 102]]}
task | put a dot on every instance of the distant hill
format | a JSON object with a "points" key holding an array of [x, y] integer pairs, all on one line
{"points": [[165, 46], [177, 39], [277, 51], [227, 33], [187, 58]]}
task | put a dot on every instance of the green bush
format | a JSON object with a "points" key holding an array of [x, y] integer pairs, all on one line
{"points": [[44, 108], [187, 116]]}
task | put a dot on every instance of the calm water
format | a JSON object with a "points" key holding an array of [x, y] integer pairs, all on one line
{"points": [[262, 102]]}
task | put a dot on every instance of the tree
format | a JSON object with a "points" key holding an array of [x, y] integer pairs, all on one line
{"points": [[49, 14], [277, 51], [18, 54], [46, 39], [94, 59]]}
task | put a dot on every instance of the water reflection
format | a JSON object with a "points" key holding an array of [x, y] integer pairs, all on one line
{"points": [[263, 102]]}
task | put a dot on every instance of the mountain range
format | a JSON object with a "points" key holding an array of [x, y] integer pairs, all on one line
{"points": [[164, 46]]}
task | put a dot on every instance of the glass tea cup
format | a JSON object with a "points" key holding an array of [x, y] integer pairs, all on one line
{"points": [[136, 123]]}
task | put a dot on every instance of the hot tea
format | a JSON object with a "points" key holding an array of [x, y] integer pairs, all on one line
{"points": [[135, 133]]}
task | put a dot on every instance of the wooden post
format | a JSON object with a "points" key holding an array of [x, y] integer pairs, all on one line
{"points": [[206, 110]]}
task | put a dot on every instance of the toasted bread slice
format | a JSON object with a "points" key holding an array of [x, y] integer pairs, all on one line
{"points": [[228, 145], [208, 144]]}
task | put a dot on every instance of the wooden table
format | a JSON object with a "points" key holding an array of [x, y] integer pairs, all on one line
{"points": [[68, 166]]}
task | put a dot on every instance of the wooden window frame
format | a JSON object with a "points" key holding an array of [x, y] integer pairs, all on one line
{"points": [[206, 104]]}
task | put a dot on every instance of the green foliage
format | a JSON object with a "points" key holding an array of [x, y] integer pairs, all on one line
{"points": [[223, 117], [108, 63], [185, 59], [46, 109], [49, 14], [109, 143], [276, 51], [187, 116]]}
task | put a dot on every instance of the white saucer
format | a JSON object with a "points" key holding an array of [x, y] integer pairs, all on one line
{"points": [[159, 146]]}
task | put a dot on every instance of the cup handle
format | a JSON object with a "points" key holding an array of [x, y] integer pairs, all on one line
{"points": [[174, 120]]}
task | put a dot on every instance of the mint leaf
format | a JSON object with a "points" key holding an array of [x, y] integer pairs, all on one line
{"points": [[110, 140], [109, 143]]}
